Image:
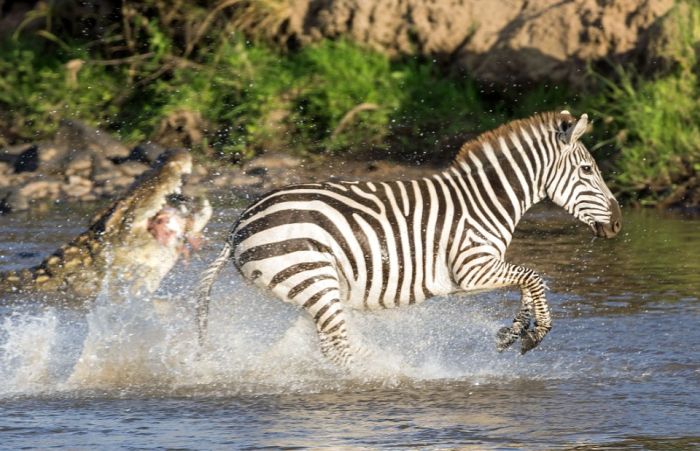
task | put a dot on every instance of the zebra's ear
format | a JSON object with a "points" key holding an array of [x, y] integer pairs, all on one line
{"points": [[574, 133], [564, 125]]}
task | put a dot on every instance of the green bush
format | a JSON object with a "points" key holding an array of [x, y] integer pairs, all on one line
{"points": [[657, 131], [36, 90], [329, 97]]}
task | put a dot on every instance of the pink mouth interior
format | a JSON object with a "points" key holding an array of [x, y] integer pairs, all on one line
{"points": [[169, 228], [166, 226]]}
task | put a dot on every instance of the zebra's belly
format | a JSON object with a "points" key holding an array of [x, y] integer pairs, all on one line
{"points": [[296, 282], [295, 277], [298, 288]]}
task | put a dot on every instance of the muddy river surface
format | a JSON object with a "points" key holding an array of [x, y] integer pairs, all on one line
{"points": [[620, 369]]}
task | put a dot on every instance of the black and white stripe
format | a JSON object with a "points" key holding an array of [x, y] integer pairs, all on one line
{"points": [[375, 245]]}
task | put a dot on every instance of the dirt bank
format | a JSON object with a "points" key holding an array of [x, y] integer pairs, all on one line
{"points": [[501, 42]]}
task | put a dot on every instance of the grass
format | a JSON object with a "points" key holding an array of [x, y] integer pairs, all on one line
{"points": [[253, 98], [36, 92], [656, 126]]}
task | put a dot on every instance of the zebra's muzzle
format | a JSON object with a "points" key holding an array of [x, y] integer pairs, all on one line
{"points": [[612, 228]]}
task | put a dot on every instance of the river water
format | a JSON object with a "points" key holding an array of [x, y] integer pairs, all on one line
{"points": [[620, 369]]}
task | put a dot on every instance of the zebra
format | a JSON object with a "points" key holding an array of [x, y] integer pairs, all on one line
{"points": [[332, 246]]}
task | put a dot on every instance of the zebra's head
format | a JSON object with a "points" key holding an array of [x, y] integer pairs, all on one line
{"points": [[576, 183]]}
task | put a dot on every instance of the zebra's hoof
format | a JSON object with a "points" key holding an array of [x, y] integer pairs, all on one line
{"points": [[504, 338], [528, 341]]}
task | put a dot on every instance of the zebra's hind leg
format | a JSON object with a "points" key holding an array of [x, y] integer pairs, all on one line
{"points": [[332, 332]]}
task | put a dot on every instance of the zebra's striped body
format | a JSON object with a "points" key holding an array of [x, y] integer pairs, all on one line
{"points": [[329, 246]]}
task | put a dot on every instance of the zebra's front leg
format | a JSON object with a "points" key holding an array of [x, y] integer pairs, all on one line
{"points": [[506, 336], [542, 324], [495, 273]]}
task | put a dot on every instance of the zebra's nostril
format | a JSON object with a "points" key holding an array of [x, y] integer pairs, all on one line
{"points": [[616, 226]]}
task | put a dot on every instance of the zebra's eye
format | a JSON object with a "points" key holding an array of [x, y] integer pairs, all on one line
{"points": [[587, 169]]}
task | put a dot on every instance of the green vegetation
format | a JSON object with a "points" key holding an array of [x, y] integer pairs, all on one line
{"points": [[657, 129], [36, 91], [210, 89], [331, 97]]}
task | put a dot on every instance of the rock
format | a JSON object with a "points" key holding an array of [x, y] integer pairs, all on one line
{"points": [[40, 189], [77, 187], [103, 191], [79, 163], [118, 182], [102, 177], [132, 168], [271, 161], [44, 157], [103, 170], [239, 180], [50, 156], [5, 168], [18, 199], [231, 178], [499, 42], [89, 197], [14, 201], [76, 136], [12, 180]]}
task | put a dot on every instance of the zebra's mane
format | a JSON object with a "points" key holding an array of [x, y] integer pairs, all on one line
{"points": [[560, 121]]}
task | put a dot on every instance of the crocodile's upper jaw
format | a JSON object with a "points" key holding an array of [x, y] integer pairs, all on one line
{"points": [[150, 197]]}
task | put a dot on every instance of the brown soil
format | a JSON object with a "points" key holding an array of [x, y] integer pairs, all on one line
{"points": [[502, 42]]}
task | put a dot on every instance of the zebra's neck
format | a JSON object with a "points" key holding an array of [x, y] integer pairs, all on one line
{"points": [[504, 172]]}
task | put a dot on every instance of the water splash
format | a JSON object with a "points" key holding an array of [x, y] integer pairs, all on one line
{"points": [[25, 352], [256, 345]]}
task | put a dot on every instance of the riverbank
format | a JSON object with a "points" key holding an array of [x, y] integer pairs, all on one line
{"points": [[85, 164], [232, 95]]}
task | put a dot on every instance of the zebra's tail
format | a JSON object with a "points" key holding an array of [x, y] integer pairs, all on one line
{"points": [[206, 281]]}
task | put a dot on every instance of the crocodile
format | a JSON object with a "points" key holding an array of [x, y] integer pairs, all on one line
{"points": [[132, 243]]}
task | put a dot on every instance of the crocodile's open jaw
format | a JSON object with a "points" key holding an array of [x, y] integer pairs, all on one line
{"points": [[152, 191], [167, 226], [181, 219], [159, 207]]}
